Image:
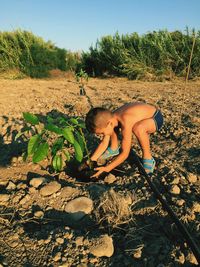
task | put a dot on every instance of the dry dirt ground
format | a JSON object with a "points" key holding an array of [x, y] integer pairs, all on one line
{"points": [[36, 227]]}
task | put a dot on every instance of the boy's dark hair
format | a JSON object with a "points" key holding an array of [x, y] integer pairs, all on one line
{"points": [[93, 116]]}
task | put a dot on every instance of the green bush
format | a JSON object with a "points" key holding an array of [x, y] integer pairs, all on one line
{"points": [[152, 54], [30, 54]]}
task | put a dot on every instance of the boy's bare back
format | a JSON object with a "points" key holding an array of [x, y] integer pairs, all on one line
{"points": [[131, 113]]}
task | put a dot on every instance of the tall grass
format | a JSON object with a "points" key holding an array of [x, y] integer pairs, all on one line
{"points": [[155, 55], [160, 53], [30, 54]]}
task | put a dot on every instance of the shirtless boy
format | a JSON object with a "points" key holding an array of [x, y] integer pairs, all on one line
{"points": [[139, 119]]}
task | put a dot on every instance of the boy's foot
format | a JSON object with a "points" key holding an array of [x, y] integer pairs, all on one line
{"points": [[149, 165], [110, 153]]}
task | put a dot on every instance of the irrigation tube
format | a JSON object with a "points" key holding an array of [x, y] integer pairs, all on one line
{"points": [[188, 238]]}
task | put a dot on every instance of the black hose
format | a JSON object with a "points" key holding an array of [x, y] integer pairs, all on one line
{"points": [[188, 238]]}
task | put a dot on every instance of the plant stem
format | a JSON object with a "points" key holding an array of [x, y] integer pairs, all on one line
{"points": [[85, 144]]}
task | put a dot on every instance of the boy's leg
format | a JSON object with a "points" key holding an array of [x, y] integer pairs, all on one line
{"points": [[142, 130]]}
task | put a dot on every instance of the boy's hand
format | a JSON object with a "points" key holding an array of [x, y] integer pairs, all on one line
{"points": [[100, 171], [86, 164]]}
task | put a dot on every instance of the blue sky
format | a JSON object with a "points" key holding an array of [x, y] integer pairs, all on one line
{"points": [[77, 24]]}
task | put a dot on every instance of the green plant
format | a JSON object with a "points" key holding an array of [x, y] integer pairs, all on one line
{"points": [[58, 140], [82, 79], [136, 56], [30, 54]]}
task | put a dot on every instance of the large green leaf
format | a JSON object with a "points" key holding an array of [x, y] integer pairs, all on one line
{"points": [[68, 135], [57, 163], [33, 144], [80, 141], [30, 118], [78, 151], [74, 121], [53, 128], [41, 152]]}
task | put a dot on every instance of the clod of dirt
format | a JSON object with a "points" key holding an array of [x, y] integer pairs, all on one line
{"points": [[137, 254], [57, 257], [191, 258], [36, 182], [11, 186], [175, 190], [4, 198], [196, 207], [39, 214], [50, 188], [60, 240], [68, 192], [110, 178], [79, 207], [192, 178], [102, 246], [180, 202]]}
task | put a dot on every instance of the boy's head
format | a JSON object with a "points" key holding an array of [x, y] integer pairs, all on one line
{"points": [[99, 121]]}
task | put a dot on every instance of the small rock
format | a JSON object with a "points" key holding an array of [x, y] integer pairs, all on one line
{"points": [[14, 244], [41, 242], [17, 198], [79, 241], [137, 253], [79, 207], [191, 258], [180, 258], [14, 160], [39, 214], [57, 257], [60, 240], [68, 235], [110, 178], [25, 199], [68, 192], [175, 190], [32, 190], [36, 182], [180, 202], [21, 186], [4, 198], [102, 246], [47, 241], [50, 188], [11, 186], [192, 178], [196, 207]]}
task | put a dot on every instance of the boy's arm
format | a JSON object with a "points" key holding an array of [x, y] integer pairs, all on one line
{"points": [[126, 146], [101, 148]]}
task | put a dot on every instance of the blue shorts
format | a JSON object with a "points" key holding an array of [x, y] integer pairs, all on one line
{"points": [[158, 118]]}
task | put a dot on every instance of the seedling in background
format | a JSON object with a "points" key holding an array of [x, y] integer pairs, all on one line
{"points": [[59, 140], [82, 79]]}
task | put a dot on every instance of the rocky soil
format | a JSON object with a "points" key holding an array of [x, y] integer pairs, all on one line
{"points": [[50, 219]]}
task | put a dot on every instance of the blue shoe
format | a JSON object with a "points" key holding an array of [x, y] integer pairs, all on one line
{"points": [[110, 153], [149, 165]]}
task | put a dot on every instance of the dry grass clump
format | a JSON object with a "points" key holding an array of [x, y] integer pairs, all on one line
{"points": [[114, 208]]}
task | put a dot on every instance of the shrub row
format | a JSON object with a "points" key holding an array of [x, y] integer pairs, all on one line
{"points": [[152, 54]]}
